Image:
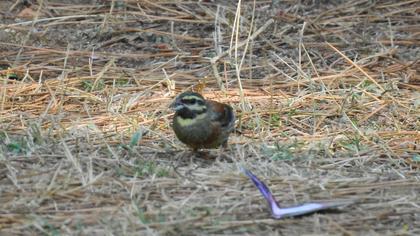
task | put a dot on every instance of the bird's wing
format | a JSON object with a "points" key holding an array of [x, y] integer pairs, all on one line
{"points": [[222, 113]]}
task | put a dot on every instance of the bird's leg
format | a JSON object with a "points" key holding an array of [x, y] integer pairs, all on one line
{"points": [[193, 154], [221, 151], [219, 154], [225, 144], [178, 159]]}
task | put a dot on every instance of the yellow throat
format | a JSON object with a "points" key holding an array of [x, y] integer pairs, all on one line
{"points": [[190, 121]]}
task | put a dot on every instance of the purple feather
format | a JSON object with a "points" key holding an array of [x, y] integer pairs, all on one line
{"points": [[298, 210], [262, 187]]}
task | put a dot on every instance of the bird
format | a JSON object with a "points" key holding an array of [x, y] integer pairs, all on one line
{"points": [[201, 123]]}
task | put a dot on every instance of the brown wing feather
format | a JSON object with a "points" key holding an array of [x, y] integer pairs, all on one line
{"points": [[223, 113]]}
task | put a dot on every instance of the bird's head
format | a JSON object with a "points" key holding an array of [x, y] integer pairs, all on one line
{"points": [[189, 103]]}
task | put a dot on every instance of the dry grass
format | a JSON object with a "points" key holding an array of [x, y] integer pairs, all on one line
{"points": [[327, 97]]}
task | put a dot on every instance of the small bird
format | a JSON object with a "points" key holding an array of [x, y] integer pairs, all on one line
{"points": [[201, 123]]}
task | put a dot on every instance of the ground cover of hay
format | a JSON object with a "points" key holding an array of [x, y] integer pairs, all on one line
{"points": [[327, 95]]}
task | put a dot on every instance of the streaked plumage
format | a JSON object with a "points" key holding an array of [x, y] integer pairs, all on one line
{"points": [[201, 123]]}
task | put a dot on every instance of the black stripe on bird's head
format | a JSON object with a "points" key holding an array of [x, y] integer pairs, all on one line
{"points": [[189, 104]]}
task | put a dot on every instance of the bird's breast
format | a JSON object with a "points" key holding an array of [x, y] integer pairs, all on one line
{"points": [[198, 132], [185, 122]]}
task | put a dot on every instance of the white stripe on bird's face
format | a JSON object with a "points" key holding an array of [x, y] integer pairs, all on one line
{"points": [[196, 107], [191, 97]]}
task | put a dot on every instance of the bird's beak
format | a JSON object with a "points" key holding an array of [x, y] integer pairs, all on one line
{"points": [[176, 105]]}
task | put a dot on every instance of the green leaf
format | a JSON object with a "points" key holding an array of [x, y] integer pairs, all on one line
{"points": [[137, 136], [416, 158]]}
